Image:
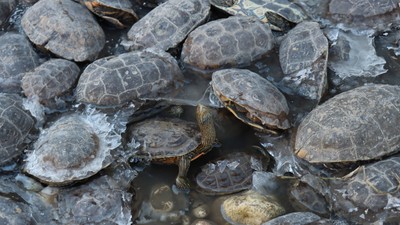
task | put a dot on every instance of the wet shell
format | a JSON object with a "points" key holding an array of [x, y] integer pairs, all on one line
{"points": [[15, 125], [168, 24], [298, 218], [65, 28], [352, 126], [51, 79], [117, 80], [259, 97], [364, 8], [15, 212], [73, 148], [16, 57], [6, 7], [234, 41]]}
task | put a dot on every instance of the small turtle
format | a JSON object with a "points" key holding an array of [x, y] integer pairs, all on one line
{"points": [[51, 79], [252, 99], [129, 77], [75, 147], [352, 126], [118, 12], [168, 24], [65, 28], [280, 14], [15, 125], [6, 7], [230, 174], [250, 208], [174, 141], [16, 57], [235, 41]]}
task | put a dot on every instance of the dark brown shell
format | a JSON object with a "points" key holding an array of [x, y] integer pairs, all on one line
{"points": [[352, 126], [65, 28], [230, 42]]}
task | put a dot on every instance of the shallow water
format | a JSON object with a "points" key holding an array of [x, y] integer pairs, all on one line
{"points": [[232, 133]]}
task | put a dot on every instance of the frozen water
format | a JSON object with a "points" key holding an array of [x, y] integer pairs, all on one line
{"points": [[256, 164], [233, 165], [222, 165], [393, 203], [36, 110], [264, 182], [354, 55]]}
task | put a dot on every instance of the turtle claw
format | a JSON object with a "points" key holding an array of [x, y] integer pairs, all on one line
{"points": [[182, 183]]}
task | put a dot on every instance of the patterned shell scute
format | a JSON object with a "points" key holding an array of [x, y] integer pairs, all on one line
{"points": [[233, 41], [15, 125], [352, 126], [372, 189], [256, 94], [364, 8], [65, 28], [69, 150], [16, 57], [303, 45], [51, 79], [117, 80], [163, 138], [168, 24]]}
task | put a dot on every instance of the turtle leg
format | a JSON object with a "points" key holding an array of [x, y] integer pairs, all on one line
{"points": [[181, 180]]}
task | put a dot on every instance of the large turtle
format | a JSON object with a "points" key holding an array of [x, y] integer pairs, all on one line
{"points": [[352, 126], [235, 41], [174, 141], [278, 13], [129, 77], [50, 80], [168, 24], [65, 28], [118, 12], [251, 98], [15, 125]]}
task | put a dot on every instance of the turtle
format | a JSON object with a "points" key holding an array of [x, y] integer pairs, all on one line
{"points": [[299, 218], [6, 7], [15, 126], [368, 194], [73, 148], [129, 77], [50, 80], [229, 174], [168, 24], [356, 125], [252, 99], [279, 14], [15, 212], [250, 208], [17, 56], [303, 56], [118, 12], [174, 141], [65, 28], [235, 41]]}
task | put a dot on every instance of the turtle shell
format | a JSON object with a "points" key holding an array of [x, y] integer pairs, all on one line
{"points": [[65, 28], [6, 7], [235, 41], [298, 218], [168, 24], [75, 147], [163, 140], [118, 12], [15, 125], [364, 8], [51, 79], [352, 126], [117, 80], [263, 102], [16, 57]]}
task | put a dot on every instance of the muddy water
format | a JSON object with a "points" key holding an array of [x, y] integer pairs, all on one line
{"points": [[233, 135]]}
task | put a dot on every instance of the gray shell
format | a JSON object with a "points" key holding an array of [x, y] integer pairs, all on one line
{"points": [[372, 189], [302, 46], [298, 218], [16, 57], [15, 125], [71, 149], [256, 94], [6, 7], [65, 28], [164, 138], [229, 42], [355, 125], [15, 212], [51, 79], [168, 24], [117, 80], [364, 8]]}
